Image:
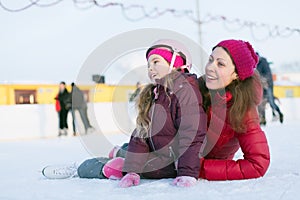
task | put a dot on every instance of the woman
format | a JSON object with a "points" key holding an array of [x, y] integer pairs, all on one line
{"points": [[64, 99], [231, 92]]}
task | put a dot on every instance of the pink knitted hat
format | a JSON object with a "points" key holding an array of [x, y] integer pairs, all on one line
{"points": [[243, 56], [167, 55]]}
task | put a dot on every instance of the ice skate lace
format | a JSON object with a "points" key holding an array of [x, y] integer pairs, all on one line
{"points": [[66, 170]]}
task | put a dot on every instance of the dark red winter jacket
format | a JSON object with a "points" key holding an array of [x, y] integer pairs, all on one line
{"points": [[222, 142], [177, 132]]}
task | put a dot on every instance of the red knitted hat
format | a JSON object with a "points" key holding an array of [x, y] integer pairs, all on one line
{"points": [[243, 56]]}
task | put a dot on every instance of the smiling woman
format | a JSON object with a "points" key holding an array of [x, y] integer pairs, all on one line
{"points": [[220, 70], [231, 92]]}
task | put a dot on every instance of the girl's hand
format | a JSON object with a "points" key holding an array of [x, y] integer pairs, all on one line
{"points": [[185, 181], [129, 180]]}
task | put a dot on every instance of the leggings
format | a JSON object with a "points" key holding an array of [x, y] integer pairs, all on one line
{"points": [[92, 168]]}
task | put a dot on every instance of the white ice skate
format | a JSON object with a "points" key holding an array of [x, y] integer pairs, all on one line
{"points": [[60, 171]]}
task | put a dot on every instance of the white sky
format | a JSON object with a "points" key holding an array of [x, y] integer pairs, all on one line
{"points": [[51, 44]]}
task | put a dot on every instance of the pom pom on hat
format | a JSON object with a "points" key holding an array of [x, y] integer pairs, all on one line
{"points": [[243, 55]]}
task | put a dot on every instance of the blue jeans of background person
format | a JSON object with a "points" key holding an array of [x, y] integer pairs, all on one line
{"points": [[271, 101], [270, 96], [83, 116]]}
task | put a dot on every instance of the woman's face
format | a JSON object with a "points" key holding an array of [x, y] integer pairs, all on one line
{"points": [[219, 70], [158, 67], [62, 87]]}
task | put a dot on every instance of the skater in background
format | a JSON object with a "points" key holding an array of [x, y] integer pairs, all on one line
{"points": [[232, 91], [171, 126], [265, 72], [79, 104], [64, 99], [136, 92]]}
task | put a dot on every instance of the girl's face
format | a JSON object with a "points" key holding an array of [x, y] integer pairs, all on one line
{"points": [[220, 70], [158, 67]]}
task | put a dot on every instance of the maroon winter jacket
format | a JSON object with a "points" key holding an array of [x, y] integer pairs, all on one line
{"points": [[218, 164], [177, 132]]}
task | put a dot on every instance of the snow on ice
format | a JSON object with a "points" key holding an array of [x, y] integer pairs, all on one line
{"points": [[23, 160]]}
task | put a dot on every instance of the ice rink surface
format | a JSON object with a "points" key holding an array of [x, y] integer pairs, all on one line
{"points": [[23, 160]]}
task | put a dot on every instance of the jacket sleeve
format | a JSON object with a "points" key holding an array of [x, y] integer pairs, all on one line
{"points": [[136, 155], [256, 159], [191, 121]]}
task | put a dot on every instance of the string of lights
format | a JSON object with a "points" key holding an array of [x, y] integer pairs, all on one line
{"points": [[137, 12]]}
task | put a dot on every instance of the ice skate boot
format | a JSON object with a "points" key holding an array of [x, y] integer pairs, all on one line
{"points": [[60, 171], [60, 132], [281, 117]]}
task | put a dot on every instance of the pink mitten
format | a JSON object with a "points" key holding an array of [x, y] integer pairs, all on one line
{"points": [[129, 180], [114, 151], [184, 181]]}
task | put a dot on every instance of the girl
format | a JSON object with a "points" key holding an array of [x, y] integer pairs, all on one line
{"points": [[171, 123], [171, 126]]}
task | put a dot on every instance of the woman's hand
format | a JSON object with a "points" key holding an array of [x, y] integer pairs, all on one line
{"points": [[185, 181], [129, 180]]}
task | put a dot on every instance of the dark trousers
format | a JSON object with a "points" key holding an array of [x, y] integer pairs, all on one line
{"points": [[268, 98], [63, 119], [271, 101]]}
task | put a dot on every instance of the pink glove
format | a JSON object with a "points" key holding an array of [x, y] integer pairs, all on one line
{"points": [[129, 180], [114, 151], [184, 181]]}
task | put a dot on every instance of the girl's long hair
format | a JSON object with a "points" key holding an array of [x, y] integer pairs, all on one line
{"points": [[145, 101], [245, 94]]}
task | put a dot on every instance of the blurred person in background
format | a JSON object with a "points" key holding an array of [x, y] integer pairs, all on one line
{"points": [[136, 92], [263, 67], [79, 104], [64, 99]]}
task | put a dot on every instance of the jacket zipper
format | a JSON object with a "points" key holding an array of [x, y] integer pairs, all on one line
{"points": [[172, 155], [150, 128]]}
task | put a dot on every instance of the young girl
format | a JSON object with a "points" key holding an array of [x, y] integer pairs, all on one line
{"points": [[231, 92], [171, 126], [171, 123]]}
